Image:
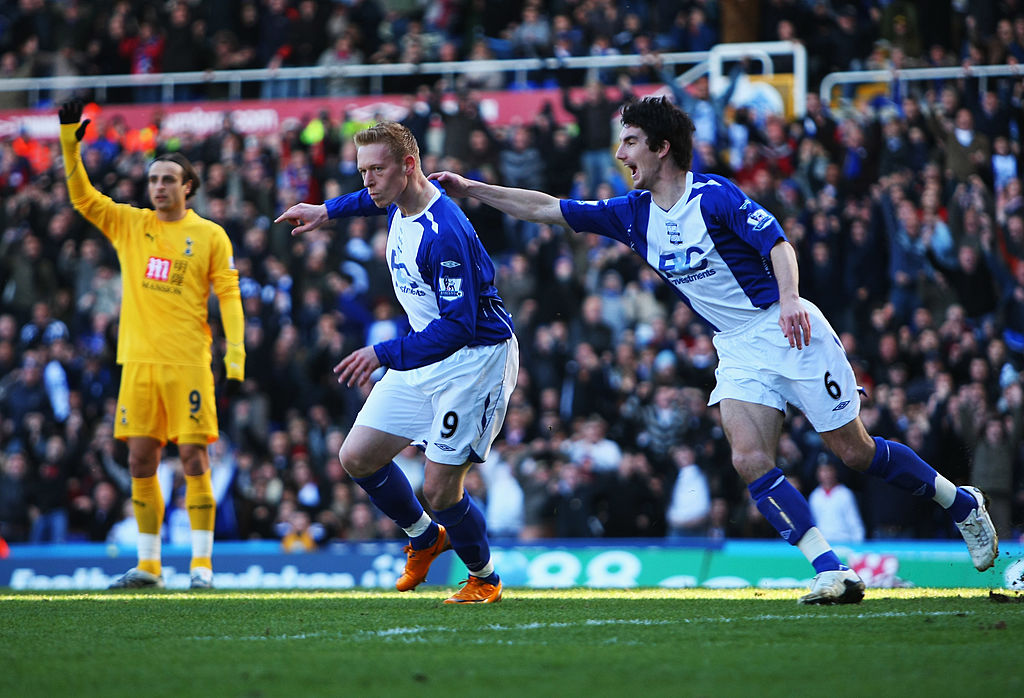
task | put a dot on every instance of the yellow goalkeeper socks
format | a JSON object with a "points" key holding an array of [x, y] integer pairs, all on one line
{"points": [[202, 511], [148, 503]]}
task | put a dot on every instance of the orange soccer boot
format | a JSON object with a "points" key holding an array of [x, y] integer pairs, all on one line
{"points": [[417, 562], [476, 590]]}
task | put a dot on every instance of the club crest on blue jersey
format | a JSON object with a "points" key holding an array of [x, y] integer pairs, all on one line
{"points": [[674, 236]]}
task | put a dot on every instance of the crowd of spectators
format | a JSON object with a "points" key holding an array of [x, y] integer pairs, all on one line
{"points": [[907, 213], [42, 38]]}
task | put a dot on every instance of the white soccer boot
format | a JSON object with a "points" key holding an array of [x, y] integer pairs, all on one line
{"points": [[201, 578], [138, 579], [835, 586], [979, 533]]}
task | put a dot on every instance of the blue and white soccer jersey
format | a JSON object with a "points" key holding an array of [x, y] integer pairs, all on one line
{"points": [[455, 372], [713, 247]]}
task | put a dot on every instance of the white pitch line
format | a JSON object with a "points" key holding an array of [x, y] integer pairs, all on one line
{"points": [[417, 633]]}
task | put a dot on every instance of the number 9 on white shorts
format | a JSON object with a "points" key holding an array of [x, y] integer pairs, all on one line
{"points": [[454, 408]]}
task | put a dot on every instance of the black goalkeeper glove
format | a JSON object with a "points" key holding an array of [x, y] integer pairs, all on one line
{"points": [[71, 113], [232, 388]]}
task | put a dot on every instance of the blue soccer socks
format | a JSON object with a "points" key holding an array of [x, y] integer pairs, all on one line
{"points": [[783, 506], [900, 466], [390, 491], [467, 532], [788, 512]]}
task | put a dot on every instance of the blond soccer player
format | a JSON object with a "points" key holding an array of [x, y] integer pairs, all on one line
{"points": [[170, 257], [448, 381]]}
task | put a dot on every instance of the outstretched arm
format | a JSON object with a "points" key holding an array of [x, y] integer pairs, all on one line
{"points": [[112, 219], [524, 204], [72, 129], [304, 217]]}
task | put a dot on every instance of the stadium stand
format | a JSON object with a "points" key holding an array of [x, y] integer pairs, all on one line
{"points": [[905, 205]]}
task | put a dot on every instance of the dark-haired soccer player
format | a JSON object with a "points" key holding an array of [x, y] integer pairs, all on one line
{"points": [[169, 259], [729, 259], [449, 380]]}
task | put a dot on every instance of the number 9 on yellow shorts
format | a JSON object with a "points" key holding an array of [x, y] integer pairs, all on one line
{"points": [[167, 403]]}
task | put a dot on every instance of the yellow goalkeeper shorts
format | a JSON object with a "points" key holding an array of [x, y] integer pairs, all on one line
{"points": [[167, 403]]}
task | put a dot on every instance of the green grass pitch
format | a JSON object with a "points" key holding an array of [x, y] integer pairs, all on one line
{"points": [[566, 643]]}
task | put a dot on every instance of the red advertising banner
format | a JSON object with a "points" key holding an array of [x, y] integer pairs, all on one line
{"points": [[262, 117]]}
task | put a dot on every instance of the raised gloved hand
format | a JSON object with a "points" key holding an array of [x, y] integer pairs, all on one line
{"points": [[71, 113]]}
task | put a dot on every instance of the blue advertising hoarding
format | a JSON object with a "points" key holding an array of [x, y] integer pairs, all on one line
{"points": [[540, 564]]}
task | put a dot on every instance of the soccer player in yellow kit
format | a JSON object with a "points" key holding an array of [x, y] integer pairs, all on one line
{"points": [[169, 258]]}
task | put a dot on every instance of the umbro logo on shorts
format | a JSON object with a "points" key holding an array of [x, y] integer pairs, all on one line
{"points": [[444, 447], [841, 406]]}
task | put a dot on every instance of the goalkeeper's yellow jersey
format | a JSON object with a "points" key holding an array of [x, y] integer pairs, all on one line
{"points": [[167, 269]]}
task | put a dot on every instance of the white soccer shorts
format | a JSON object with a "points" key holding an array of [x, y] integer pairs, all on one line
{"points": [[756, 364], [454, 408]]}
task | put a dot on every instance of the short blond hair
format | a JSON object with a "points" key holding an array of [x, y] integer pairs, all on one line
{"points": [[399, 140]]}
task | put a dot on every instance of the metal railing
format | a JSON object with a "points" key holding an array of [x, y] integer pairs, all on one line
{"points": [[304, 77], [700, 62], [863, 77]]}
